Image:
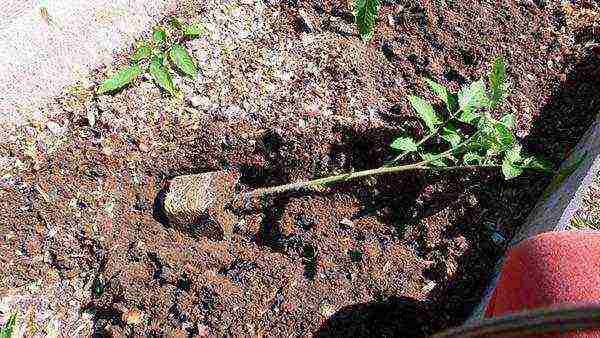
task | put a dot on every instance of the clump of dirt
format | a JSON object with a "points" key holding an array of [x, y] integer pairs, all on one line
{"points": [[405, 254], [200, 203]]}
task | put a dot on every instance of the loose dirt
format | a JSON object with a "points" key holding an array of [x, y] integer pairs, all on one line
{"points": [[405, 254]]}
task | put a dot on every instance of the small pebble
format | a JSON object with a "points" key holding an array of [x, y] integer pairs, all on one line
{"points": [[55, 128], [305, 222], [427, 288], [346, 223], [233, 113], [200, 102], [133, 317], [105, 103], [391, 20], [203, 330], [91, 117], [143, 144], [304, 22], [327, 310]]}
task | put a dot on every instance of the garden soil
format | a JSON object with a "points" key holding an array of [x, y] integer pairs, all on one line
{"points": [[287, 91]]}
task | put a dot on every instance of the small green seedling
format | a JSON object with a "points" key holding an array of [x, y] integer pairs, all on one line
{"points": [[157, 58], [366, 16], [7, 330], [467, 138]]}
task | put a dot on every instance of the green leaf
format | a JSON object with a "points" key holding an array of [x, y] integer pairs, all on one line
{"points": [[510, 169], [473, 158], [162, 76], [469, 117], [434, 159], [506, 138], [470, 99], [366, 16], [514, 153], [159, 35], [538, 164], [488, 138], [509, 121], [121, 79], [406, 144], [175, 23], [194, 30], [7, 330], [485, 123], [495, 136], [450, 134], [443, 93], [141, 53], [510, 164], [182, 59], [425, 111], [497, 82]]}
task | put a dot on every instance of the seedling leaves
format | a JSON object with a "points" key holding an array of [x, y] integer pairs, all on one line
{"points": [[366, 15], [121, 79], [509, 121], [497, 82], [505, 136], [175, 23], [193, 30], [425, 111], [473, 158], [443, 93], [406, 144], [450, 134], [141, 53], [159, 36], [469, 117], [183, 60], [7, 330], [510, 169], [161, 76], [514, 153], [538, 164], [434, 159], [471, 98]]}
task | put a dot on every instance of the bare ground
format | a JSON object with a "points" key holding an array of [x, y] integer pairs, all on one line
{"points": [[403, 254]]}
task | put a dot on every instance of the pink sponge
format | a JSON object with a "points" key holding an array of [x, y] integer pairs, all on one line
{"points": [[549, 270]]}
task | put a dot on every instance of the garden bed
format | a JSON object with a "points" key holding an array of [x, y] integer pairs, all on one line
{"points": [[286, 92]]}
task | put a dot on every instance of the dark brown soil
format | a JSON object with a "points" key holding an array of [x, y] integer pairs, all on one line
{"points": [[400, 255]]}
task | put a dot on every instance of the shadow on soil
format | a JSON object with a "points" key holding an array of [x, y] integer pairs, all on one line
{"points": [[562, 122], [387, 318]]}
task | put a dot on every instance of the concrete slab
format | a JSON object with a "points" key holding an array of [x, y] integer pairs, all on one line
{"points": [[40, 54]]}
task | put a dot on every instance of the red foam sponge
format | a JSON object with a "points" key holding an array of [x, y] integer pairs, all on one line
{"points": [[549, 270]]}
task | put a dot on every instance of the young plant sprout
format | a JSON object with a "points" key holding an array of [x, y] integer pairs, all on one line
{"points": [[153, 57], [9, 327], [490, 143], [366, 17]]}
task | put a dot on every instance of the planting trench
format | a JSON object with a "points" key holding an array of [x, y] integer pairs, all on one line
{"points": [[87, 250]]}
